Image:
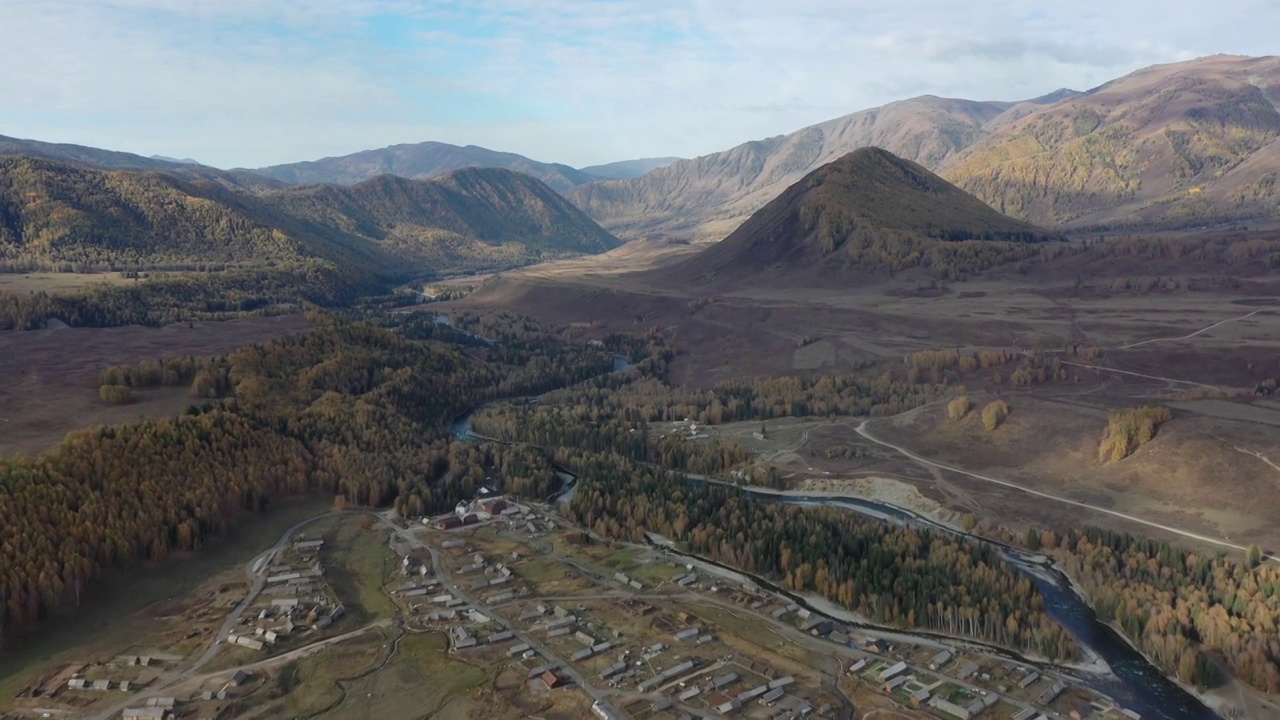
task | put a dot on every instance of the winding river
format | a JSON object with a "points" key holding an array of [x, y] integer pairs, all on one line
{"points": [[1134, 682]]}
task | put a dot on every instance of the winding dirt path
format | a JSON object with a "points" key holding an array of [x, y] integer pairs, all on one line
{"points": [[1197, 332]]}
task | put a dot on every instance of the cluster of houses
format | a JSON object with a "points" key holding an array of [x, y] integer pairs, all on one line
{"points": [[78, 681], [767, 694], [486, 505], [156, 708], [461, 637], [299, 599]]}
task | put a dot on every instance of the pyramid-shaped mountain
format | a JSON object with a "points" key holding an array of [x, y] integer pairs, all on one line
{"points": [[870, 208]]}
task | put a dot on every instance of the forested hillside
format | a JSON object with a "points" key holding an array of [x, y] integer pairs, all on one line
{"points": [[65, 217], [349, 409], [468, 219], [100, 159], [200, 250]]}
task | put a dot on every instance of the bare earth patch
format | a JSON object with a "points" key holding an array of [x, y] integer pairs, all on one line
{"points": [[880, 489]]}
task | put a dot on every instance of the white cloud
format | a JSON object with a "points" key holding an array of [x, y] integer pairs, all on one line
{"points": [[252, 82]]}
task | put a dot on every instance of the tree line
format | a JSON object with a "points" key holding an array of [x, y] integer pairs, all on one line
{"points": [[348, 409], [906, 577], [630, 484], [1186, 610]]}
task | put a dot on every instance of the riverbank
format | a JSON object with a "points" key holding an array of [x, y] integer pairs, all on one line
{"points": [[881, 489]]}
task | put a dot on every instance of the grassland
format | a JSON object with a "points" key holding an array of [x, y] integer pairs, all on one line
{"points": [[359, 564], [57, 282], [49, 379]]}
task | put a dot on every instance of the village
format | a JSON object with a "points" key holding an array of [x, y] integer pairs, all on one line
{"points": [[563, 619], [623, 626]]}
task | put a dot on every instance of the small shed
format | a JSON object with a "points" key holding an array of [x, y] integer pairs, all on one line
{"points": [[551, 679]]}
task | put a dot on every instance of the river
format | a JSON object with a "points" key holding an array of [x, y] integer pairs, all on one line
{"points": [[1134, 682]]}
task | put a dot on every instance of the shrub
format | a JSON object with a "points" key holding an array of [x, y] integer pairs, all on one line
{"points": [[1128, 430], [957, 408], [116, 394], [994, 413]]}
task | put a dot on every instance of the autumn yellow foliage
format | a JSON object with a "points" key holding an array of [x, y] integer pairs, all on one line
{"points": [[994, 413], [1128, 430]]}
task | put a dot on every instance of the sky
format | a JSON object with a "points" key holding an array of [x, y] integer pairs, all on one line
{"points": [[249, 83]]}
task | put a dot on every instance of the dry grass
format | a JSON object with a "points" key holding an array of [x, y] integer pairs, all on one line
{"points": [[55, 282], [49, 379]]}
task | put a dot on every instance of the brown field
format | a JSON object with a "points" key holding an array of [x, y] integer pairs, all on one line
{"points": [[49, 380], [55, 282], [1214, 470]]}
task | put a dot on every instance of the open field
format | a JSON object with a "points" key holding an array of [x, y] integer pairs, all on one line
{"points": [[49, 379], [738, 331], [56, 282], [1215, 470]]}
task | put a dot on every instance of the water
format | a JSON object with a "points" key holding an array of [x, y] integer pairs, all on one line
{"points": [[1135, 683]]}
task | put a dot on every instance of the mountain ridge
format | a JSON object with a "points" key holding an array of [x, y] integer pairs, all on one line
{"points": [[418, 161], [56, 214], [980, 144], [100, 159], [623, 169]]}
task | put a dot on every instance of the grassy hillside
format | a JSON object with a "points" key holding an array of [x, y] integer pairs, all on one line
{"points": [[1175, 144], [420, 161], [872, 209]]}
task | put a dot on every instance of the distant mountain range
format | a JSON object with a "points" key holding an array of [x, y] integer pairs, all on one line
{"points": [[869, 210], [420, 161], [179, 161], [1179, 144], [1175, 145], [625, 169], [430, 159], [113, 160], [54, 214]]}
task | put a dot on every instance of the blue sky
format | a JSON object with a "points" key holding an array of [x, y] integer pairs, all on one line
{"points": [[258, 82]]}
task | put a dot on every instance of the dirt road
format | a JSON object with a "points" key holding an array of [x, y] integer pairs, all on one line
{"points": [[255, 569], [862, 430]]}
